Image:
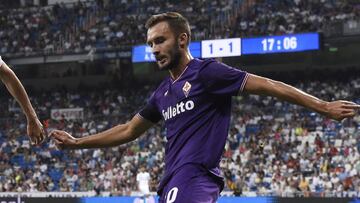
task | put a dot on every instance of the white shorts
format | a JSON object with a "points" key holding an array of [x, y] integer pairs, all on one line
{"points": [[144, 189]]}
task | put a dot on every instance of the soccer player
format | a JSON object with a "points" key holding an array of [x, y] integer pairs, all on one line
{"points": [[143, 179], [195, 104], [35, 129]]}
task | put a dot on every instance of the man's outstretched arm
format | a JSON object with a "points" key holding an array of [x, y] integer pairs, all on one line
{"points": [[337, 110], [115, 136], [34, 127]]}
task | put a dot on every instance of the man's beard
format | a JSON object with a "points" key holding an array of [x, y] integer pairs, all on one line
{"points": [[175, 57]]}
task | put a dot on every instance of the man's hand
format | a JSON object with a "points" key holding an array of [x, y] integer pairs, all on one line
{"points": [[63, 140], [339, 110], [35, 131]]}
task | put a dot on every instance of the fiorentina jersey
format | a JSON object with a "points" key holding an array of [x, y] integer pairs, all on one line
{"points": [[196, 111]]}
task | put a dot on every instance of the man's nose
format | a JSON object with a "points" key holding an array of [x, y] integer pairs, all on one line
{"points": [[155, 50]]}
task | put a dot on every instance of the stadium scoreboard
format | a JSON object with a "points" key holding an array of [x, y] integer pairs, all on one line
{"points": [[240, 46], [220, 48], [281, 44]]}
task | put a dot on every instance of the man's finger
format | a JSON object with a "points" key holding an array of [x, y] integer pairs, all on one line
{"points": [[54, 134], [36, 141], [32, 140], [352, 106], [349, 114], [346, 111], [59, 139], [58, 147], [36, 136], [43, 135], [55, 131], [59, 144], [41, 138], [347, 102]]}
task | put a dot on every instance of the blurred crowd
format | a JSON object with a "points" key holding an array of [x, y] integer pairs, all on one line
{"points": [[44, 168], [273, 147], [294, 16], [96, 25], [284, 150]]}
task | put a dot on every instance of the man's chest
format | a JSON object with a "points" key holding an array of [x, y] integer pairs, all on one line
{"points": [[181, 98]]}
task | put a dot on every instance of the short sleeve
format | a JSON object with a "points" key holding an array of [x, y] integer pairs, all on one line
{"points": [[150, 111], [221, 79]]}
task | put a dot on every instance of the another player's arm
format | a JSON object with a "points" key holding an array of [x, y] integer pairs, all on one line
{"points": [[337, 110], [115, 136], [17, 90]]}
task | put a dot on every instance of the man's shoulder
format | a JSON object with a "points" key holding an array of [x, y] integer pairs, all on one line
{"points": [[200, 63], [207, 66], [161, 88], [164, 84]]}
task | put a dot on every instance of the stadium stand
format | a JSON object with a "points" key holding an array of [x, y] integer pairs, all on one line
{"points": [[109, 24]]}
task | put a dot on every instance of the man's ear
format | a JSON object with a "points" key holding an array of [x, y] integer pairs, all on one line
{"points": [[183, 39]]}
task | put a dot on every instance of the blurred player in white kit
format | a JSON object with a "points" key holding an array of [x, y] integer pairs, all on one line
{"points": [[143, 179]]}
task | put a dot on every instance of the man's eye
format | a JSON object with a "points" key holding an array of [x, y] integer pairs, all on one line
{"points": [[159, 41]]}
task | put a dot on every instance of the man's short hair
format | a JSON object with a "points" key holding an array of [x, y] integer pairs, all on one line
{"points": [[177, 23]]}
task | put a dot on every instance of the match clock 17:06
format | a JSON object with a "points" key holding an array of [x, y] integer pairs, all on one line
{"points": [[220, 48], [287, 43], [278, 44]]}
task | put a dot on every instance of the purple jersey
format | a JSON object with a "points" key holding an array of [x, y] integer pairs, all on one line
{"points": [[196, 109]]}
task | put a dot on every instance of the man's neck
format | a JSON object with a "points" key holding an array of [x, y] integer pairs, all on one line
{"points": [[177, 71]]}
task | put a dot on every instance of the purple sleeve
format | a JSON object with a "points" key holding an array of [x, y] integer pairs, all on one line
{"points": [[150, 111], [221, 79]]}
